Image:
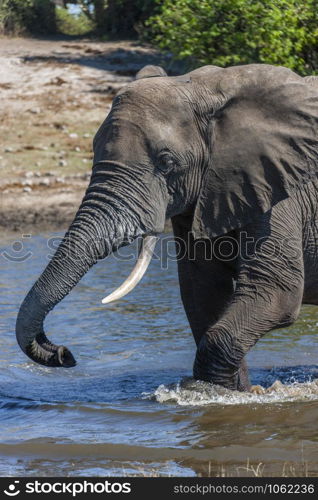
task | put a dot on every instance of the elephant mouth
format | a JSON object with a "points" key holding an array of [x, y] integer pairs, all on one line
{"points": [[145, 255]]}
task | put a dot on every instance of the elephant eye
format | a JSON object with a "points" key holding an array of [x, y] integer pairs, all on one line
{"points": [[166, 161]]}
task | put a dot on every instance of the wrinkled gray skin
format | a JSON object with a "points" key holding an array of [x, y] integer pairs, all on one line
{"points": [[227, 154]]}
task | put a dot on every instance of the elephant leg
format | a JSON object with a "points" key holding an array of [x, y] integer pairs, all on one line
{"points": [[268, 295], [254, 311], [206, 283]]}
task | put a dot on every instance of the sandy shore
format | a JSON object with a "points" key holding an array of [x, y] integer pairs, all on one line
{"points": [[54, 94]]}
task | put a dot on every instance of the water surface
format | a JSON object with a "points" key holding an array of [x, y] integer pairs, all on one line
{"points": [[130, 405]]}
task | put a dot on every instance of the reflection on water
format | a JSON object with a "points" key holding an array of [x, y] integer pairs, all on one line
{"points": [[130, 405]]}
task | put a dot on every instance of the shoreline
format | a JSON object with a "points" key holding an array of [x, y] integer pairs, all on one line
{"points": [[54, 96], [52, 210]]}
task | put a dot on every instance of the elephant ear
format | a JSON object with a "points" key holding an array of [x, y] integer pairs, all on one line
{"points": [[263, 143], [150, 71]]}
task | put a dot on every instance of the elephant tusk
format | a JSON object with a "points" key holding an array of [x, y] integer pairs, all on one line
{"points": [[144, 258]]}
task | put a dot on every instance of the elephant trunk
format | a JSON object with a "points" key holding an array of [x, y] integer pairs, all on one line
{"points": [[102, 224]]}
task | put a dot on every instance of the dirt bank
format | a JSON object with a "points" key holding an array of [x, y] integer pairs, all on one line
{"points": [[54, 95]]}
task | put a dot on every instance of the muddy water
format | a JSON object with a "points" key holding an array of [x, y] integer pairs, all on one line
{"points": [[130, 405]]}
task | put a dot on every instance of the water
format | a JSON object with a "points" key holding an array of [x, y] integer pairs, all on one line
{"points": [[130, 407]]}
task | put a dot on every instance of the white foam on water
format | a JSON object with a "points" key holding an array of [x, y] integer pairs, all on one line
{"points": [[190, 392]]}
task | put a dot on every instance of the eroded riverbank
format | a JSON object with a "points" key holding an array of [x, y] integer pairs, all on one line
{"points": [[54, 95]]}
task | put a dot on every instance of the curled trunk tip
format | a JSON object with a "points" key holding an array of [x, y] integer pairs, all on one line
{"points": [[41, 350]]}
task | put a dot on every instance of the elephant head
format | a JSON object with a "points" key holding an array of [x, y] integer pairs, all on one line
{"points": [[220, 145]]}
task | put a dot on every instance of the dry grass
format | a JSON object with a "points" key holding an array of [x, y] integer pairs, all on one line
{"points": [[287, 469]]}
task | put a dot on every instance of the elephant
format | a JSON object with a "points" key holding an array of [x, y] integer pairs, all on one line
{"points": [[150, 71], [230, 155]]}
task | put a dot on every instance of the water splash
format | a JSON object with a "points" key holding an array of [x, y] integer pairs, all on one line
{"points": [[190, 392]]}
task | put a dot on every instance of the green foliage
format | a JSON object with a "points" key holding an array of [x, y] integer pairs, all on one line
{"points": [[27, 16], [76, 25], [227, 32]]}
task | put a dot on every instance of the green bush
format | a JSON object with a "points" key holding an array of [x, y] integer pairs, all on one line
{"points": [[227, 32], [27, 16], [70, 24]]}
